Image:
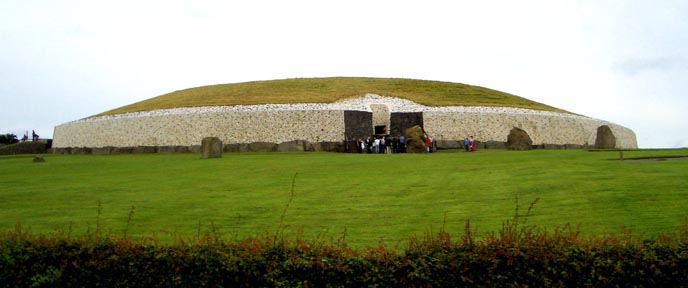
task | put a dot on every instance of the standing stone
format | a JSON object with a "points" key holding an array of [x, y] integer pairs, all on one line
{"points": [[415, 140], [211, 147], [605, 138], [518, 139]]}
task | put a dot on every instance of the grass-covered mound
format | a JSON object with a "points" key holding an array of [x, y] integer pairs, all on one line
{"points": [[327, 90]]}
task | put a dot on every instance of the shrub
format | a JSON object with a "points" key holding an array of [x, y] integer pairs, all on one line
{"points": [[24, 148], [530, 257], [8, 139]]}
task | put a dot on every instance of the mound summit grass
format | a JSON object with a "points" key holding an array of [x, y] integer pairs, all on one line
{"points": [[327, 90]]}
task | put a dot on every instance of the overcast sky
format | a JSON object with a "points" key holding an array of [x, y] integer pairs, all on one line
{"points": [[623, 61]]}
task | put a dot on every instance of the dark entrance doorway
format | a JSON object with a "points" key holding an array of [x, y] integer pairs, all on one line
{"points": [[380, 130]]}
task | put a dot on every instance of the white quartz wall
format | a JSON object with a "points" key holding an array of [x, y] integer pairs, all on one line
{"points": [[279, 123], [185, 129], [543, 128]]}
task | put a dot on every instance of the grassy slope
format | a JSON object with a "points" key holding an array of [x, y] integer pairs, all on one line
{"points": [[326, 90], [374, 197]]}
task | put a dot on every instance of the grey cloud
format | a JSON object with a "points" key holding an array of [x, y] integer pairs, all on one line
{"points": [[634, 66]]}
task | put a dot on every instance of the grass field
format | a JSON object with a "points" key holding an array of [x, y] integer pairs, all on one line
{"points": [[374, 198], [327, 90]]}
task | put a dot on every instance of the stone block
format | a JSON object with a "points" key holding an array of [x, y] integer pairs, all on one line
{"points": [[574, 146], [415, 140], [101, 150], [211, 147], [494, 145], [122, 150], [262, 147], [518, 139], [195, 148], [292, 146], [553, 146], [605, 138], [400, 121], [145, 149], [234, 147], [357, 124], [448, 144]]}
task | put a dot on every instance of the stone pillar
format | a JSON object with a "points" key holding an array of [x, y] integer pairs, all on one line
{"points": [[415, 140], [380, 116], [211, 147], [605, 138], [518, 139]]}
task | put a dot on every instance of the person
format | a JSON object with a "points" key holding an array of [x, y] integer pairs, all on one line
{"points": [[467, 144], [376, 145], [472, 143], [388, 145], [362, 145], [402, 144], [382, 145], [428, 143]]}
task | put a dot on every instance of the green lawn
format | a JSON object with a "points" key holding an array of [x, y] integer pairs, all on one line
{"points": [[374, 198]]}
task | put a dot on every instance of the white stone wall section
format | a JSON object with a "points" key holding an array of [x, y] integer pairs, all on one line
{"points": [[543, 128], [279, 123], [190, 128]]}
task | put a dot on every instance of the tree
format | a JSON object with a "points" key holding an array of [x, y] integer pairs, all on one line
{"points": [[8, 138]]}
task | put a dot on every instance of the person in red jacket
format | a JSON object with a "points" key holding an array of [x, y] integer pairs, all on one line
{"points": [[428, 143], [472, 144]]}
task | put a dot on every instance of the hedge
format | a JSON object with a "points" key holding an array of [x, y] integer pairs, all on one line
{"points": [[512, 258], [24, 148]]}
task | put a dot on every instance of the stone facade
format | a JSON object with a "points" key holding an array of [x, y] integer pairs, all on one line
{"points": [[399, 121], [322, 127], [542, 127], [189, 129]]}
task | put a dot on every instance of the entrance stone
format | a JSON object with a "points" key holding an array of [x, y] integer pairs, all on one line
{"points": [[415, 140]]}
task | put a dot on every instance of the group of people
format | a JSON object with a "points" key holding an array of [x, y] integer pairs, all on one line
{"points": [[391, 145], [382, 145], [469, 144], [34, 136]]}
